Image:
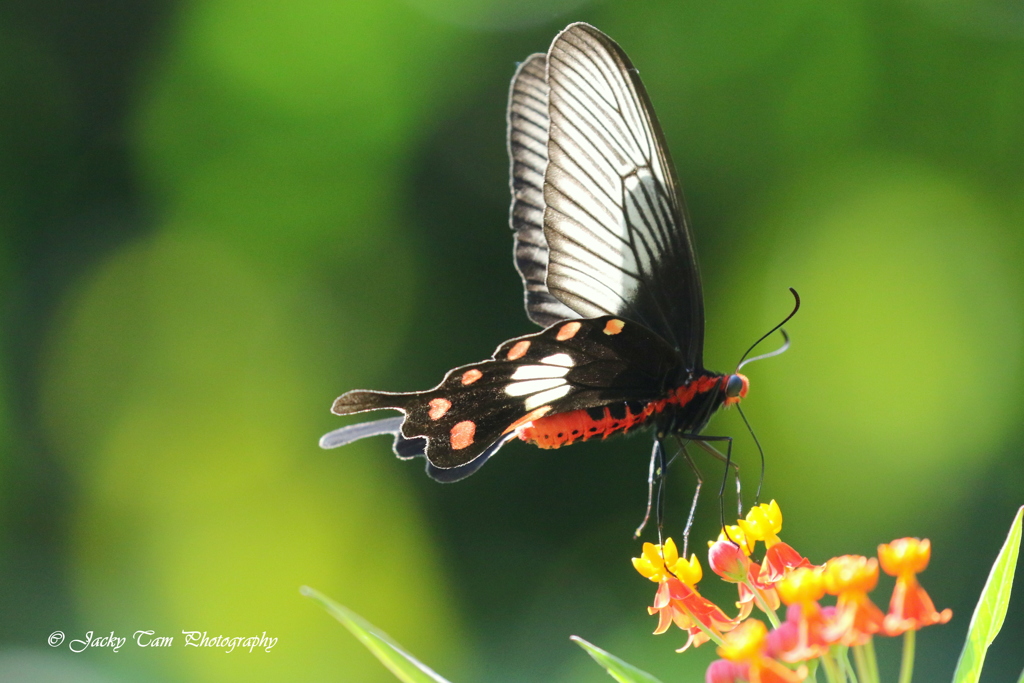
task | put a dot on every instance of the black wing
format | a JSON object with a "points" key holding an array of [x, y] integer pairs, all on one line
{"points": [[615, 239], [569, 366]]}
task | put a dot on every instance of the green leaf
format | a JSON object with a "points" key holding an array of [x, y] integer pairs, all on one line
{"points": [[399, 662], [616, 668], [991, 610]]}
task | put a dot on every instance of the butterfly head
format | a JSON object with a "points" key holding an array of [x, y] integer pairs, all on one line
{"points": [[736, 387]]}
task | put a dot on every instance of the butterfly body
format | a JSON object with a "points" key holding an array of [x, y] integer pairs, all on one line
{"points": [[604, 250], [685, 410]]}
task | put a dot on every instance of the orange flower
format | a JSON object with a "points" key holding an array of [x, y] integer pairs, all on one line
{"points": [[779, 560], [677, 600], [681, 604], [852, 577], [748, 595], [746, 645], [730, 561], [801, 589], [910, 607]]}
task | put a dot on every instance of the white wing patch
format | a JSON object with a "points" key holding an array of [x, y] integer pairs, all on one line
{"points": [[534, 385], [539, 372], [545, 381], [546, 397]]}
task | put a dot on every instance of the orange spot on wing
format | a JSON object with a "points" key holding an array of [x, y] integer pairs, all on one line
{"points": [[470, 376], [462, 434], [519, 350], [529, 417], [438, 407], [614, 326], [568, 331]]}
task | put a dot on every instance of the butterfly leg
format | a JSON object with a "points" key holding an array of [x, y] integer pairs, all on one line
{"points": [[656, 472], [703, 442], [696, 497]]}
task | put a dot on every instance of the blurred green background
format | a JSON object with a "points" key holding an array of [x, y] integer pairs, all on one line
{"points": [[217, 216]]}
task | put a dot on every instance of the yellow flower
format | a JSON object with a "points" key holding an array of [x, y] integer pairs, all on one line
{"points": [[804, 586], [851, 573], [745, 643], [801, 586], [763, 523], [658, 563], [735, 534], [905, 556]]}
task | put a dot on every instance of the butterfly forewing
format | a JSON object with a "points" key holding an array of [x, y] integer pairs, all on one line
{"points": [[614, 219], [570, 366], [528, 159]]}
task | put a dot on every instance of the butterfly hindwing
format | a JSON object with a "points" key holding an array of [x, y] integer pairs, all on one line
{"points": [[569, 366]]}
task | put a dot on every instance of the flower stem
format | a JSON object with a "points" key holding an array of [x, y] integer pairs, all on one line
{"points": [[907, 665], [862, 659], [832, 674], [845, 670], [812, 671], [869, 652], [861, 664], [762, 604], [710, 633]]}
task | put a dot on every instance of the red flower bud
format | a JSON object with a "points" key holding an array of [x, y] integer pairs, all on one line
{"points": [[728, 561]]}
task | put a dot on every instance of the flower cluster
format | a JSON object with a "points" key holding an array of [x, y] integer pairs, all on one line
{"points": [[812, 635]]}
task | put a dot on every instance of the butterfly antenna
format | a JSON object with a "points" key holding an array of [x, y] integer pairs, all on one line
{"points": [[760, 482], [782, 349]]}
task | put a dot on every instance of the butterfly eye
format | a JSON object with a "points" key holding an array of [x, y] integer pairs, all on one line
{"points": [[737, 386]]}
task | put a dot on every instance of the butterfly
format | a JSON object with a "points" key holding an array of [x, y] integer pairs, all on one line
{"points": [[603, 246]]}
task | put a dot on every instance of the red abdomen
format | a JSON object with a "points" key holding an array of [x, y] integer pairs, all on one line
{"points": [[563, 429]]}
